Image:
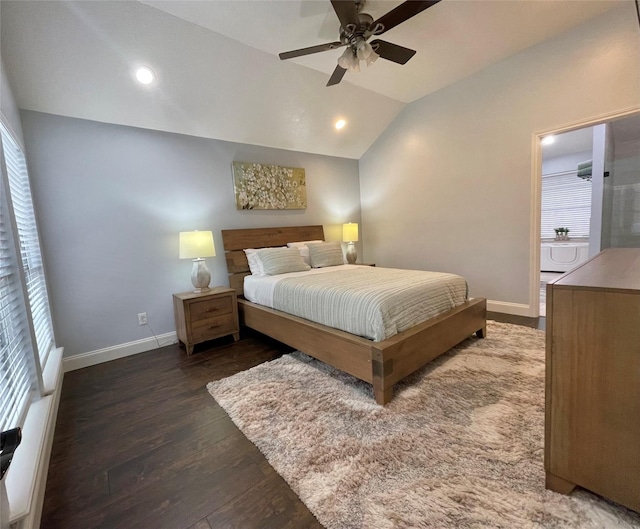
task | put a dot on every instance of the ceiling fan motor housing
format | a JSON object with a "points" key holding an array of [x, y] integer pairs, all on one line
{"points": [[349, 34]]}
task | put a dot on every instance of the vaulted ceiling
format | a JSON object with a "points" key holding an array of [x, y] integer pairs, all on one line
{"points": [[219, 76]]}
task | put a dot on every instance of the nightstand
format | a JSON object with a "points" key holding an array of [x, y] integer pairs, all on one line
{"points": [[205, 316]]}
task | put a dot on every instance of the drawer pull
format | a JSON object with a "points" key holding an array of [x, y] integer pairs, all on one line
{"points": [[213, 326], [212, 309]]}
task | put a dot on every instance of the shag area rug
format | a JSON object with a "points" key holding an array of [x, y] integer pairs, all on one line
{"points": [[460, 445]]}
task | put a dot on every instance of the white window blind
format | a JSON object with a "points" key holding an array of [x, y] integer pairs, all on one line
{"points": [[29, 243], [566, 203], [15, 352]]}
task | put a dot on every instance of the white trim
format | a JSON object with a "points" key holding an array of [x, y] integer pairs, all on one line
{"points": [[27, 477], [52, 370], [505, 307], [535, 219], [31, 460], [107, 354]]}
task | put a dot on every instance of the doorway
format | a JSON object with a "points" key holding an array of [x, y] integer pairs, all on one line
{"points": [[566, 202], [589, 185]]}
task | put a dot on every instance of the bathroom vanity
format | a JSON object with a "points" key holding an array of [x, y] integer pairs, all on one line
{"points": [[562, 256]]}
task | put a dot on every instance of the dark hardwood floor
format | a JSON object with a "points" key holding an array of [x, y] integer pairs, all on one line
{"points": [[140, 443]]}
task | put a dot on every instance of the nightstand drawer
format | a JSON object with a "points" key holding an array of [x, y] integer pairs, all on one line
{"points": [[213, 327], [202, 310]]}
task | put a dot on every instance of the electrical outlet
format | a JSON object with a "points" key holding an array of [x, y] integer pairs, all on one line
{"points": [[142, 318]]}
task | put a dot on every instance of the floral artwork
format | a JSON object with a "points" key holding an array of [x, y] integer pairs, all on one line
{"points": [[260, 186]]}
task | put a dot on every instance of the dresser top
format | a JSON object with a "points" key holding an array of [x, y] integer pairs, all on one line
{"points": [[613, 268]]}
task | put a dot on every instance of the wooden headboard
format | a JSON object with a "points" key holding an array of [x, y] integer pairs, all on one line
{"points": [[237, 240]]}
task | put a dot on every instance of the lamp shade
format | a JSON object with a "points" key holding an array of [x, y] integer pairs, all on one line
{"points": [[194, 244], [350, 232]]}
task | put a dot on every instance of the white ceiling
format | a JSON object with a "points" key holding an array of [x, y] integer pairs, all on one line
{"points": [[573, 142], [218, 71]]}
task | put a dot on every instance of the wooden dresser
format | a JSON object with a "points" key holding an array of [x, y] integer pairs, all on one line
{"points": [[592, 419], [206, 315]]}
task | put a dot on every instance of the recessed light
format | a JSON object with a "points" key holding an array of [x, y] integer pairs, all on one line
{"points": [[145, 75], [340, 124], [548, 140]]}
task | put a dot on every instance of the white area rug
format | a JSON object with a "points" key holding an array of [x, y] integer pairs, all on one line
{"points": [[459, 446]]}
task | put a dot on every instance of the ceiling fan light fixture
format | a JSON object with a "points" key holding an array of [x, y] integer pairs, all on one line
{"points": [[349, 61], [344, 61], [372, 58], [363, 50]]}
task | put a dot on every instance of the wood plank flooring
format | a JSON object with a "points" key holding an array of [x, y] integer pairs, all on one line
{"points": [[139, 443]]}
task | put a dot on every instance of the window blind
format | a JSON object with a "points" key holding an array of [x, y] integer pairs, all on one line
{"points": [[29, 243], [566, 203], [15, 352]]}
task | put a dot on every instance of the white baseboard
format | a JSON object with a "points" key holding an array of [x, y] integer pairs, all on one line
{"points": [[27, 478], [99, 356], [504, 307]]}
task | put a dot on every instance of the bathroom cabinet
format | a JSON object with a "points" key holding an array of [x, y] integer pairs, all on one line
{"points": [[562, 256]]}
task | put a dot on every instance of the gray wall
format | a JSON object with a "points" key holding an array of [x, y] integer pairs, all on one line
{"points": [[567, 162], [111, 201], [448, 186]]}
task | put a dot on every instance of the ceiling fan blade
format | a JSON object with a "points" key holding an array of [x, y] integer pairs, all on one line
{"points": [[346, 11], [403, 12], [336, 76], [312, 49], [392, 52]]}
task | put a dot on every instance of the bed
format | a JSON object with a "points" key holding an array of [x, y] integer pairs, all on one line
{"points": [[380, 363]]}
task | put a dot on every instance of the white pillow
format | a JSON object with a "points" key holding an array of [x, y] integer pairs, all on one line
{"points": [[281, 261], [325, 254], [304, 249], [255, 265]]}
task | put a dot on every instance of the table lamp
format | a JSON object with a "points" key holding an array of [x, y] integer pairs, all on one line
{"points": [[197, 245], [350, 235]]}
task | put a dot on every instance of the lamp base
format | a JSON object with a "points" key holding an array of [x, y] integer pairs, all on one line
{"points": [[352, 255], [200, 275]]}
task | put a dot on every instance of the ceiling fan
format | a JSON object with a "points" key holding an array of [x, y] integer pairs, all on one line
{"points": [[356, 28]]}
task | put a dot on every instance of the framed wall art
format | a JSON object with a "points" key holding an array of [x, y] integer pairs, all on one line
{"points": [[262, 186]]}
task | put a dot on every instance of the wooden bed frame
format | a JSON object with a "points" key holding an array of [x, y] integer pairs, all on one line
{"points": [[379, 363]]}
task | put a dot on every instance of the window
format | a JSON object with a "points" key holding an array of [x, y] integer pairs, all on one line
{"points": [[29, 245], [30, 364], [26, 330], [566, 203], [15, 370]]}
